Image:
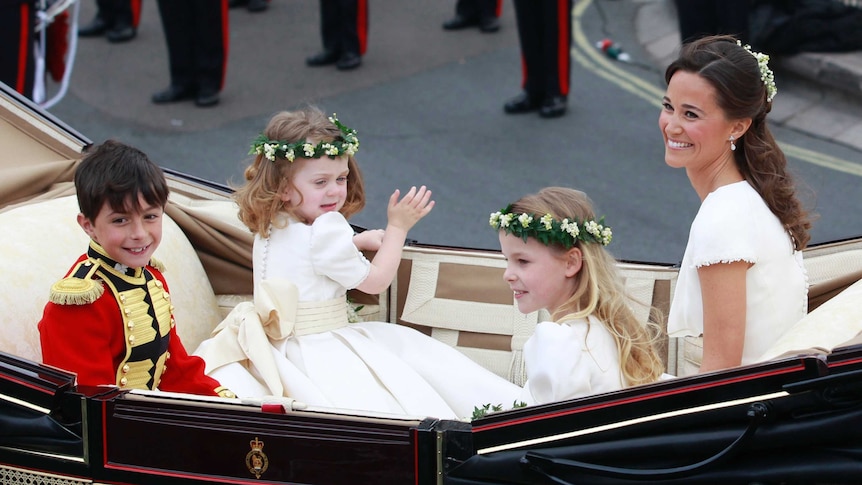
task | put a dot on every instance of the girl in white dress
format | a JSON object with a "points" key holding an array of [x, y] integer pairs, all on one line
{"points": [[556, 260], [295, 340], [742, 283]]}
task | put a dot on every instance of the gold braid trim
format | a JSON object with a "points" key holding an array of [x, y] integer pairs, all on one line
{"points": [[155, 263], [78, 290], [224, 392]]}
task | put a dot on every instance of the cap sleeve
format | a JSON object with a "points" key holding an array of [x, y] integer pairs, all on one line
{"points": [[333, 253], [725, 229]]}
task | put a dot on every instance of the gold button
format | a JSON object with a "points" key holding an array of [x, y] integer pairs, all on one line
{"points": [[126, 369], [123, 382], [167, 355], [127, 310], [131, 339], [131, 325], [158, 283]]}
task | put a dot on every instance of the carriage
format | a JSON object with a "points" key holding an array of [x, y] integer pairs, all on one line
{"points": [[791, 418]]}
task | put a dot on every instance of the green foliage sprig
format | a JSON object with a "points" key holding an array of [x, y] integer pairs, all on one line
{"points": [[548, 230], [346, 144]]}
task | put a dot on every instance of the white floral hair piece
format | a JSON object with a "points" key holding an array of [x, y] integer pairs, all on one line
{"points": [[548, 230], [346, 144], [766, 74]]}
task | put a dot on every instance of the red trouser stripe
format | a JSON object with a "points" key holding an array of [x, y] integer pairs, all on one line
{"points": [[564, 19], [24, 43], [499, 10], [225, 36], [136, 12], [362, 25]]}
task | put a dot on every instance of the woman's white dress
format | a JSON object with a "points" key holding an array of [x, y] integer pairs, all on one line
{"points": [[735, 224], [311, 353], [570, 359]]}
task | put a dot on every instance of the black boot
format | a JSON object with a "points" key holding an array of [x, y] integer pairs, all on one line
{"points": [[323, 58], [95, 28], [120, 33], [257, 5]]}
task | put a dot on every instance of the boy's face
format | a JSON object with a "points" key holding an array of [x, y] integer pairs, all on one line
{"points": [[129, 237]]}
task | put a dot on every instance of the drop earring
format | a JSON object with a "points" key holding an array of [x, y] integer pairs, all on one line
{"points": [[732, 145]]}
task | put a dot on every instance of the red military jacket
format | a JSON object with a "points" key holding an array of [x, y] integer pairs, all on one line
{"points": [[114, 325]]}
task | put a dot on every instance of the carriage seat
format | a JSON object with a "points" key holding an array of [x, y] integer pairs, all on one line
{"points": [[41, 242]]}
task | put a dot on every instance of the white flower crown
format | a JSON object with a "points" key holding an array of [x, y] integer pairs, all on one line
{"points": [[548, 230], [346, 144], [765, 72]]}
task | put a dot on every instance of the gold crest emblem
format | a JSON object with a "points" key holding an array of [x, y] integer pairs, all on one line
{"points": [[256, 459]]}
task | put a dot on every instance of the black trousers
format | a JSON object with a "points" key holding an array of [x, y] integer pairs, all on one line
{"points": [[344, 25], [545, 34], [699, 18], [119, 12], [196, 32], [17, 61], [478, 9]]}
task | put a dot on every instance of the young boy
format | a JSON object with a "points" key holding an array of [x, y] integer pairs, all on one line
{"points": [[110, 319]]}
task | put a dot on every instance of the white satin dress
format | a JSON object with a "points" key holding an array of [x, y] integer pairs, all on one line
{"points": [[570, 359], [312, 354]]}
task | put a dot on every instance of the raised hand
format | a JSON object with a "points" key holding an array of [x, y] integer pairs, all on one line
{"points": [[415, 205]]}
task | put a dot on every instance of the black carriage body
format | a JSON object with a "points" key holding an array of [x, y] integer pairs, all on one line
{"points": [[53, 430], [791, 421], [685, 430]]}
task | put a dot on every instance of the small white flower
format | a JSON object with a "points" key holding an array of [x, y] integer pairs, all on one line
{"points": [[593, 228], [269, 151], [505, 219], [290, 155], [570, 227], [525, 220], [607, 236], [495, 219], [308, 149], [547, 220], [766, 74]]}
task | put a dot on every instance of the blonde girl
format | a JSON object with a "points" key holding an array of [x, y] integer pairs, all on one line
{"points": [[556, 261]]}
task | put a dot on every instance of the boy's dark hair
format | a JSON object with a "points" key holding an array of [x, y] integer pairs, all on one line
{"points": [[117, 173]]}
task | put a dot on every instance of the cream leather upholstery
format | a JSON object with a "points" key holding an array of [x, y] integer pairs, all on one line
{"points": [[40, 243]]}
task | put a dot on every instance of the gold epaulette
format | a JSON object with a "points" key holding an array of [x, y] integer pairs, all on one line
{"points": [[224, 392], [155, 263], [79, 288]]}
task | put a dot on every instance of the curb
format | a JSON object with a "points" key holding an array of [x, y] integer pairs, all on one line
{"points": [[658, 32], [841, 71]]}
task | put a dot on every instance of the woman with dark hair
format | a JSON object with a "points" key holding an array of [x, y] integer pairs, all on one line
{"points": [[742, 283]]}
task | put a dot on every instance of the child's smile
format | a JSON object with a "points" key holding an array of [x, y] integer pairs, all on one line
{"points": [[129, 237]]}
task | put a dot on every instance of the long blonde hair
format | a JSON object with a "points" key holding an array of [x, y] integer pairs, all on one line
{"points": [[599, 288], [259, 199]]}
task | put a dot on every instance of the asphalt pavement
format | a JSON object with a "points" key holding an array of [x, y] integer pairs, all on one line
{"points": [[427, 105]]}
